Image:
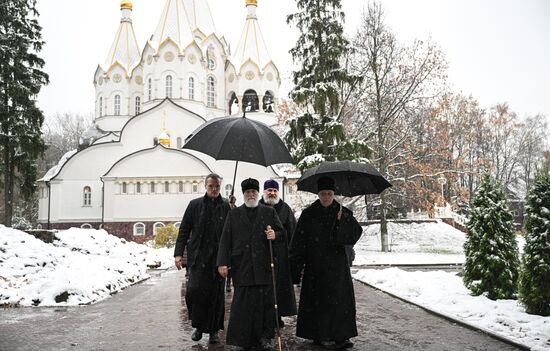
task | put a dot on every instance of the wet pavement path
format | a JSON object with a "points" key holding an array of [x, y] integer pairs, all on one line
{"points": [[152, 316]]}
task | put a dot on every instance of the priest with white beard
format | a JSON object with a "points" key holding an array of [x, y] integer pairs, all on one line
{"points": [[244, 248]]}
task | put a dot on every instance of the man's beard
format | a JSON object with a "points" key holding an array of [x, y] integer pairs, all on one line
{"points": [[271, 201], [251, 203]]}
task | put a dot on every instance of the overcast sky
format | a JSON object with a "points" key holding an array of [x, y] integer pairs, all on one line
{"points": [[498, 50]]}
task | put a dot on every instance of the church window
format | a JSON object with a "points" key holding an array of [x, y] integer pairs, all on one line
{"points": [[179, 142], [211, 58], [124, 188], [177, 224], [166, 187], [138, 187], [87, 196], [139, 229], [180, 187], [250, 101], [195, 188], [117, 105], [191, 88], [100, 106], [210, 92], [138, 105], [157, 226], [168, 86], [152, 188], [149, 89], [228, 189], [86, 226]]}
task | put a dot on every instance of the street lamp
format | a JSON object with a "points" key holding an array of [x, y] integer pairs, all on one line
{"points": [[442, 180]]}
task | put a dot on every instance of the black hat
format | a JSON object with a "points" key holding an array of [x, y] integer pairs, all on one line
{"points": [[271, 184], [250, 183], [325, 183]]}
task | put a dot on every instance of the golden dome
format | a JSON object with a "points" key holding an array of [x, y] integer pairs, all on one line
{"points": [[252, 2], [126, 4], [164, 138]]}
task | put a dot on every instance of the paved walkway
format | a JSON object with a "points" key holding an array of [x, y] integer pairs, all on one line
{"points": [[151, 316]]}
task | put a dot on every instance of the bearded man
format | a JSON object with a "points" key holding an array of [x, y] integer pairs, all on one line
{"points": [[286, 299], [245, 249]]}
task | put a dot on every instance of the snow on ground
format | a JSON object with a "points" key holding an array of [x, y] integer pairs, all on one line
{"points": [[82, 266], [437, 242]]}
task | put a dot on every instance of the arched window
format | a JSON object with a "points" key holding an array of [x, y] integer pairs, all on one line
{"points": [[195, 187], [210, 92], [268, 102], [138, 105], [166, 187], [228, 188], [100, 106], [177, 224], [180, 187], [191, 88], [179, 142], [152, 187], [87, 196], [86, 226], [233, 104], [168, 86], [124, 187], [156, 226], [149, 89], [138, 187], [250, 101], [117, 105], [139, 229], [39, 226]]}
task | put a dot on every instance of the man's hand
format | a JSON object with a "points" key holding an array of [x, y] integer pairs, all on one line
{"points": [[269, 233], [222, 270], [178, 260]]}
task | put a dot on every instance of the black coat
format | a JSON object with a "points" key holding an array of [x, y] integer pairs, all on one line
{"points": [[286, 299], [193, 226], [327, 301], [244, 246]]}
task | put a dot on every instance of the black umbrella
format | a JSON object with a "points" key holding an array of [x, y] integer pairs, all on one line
{"points": [[239, 139], [350, 178]]}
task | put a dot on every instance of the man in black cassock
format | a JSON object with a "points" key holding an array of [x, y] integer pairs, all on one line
{"points": [[244, 248], [326, 313], [286, 300], [200, 232]]}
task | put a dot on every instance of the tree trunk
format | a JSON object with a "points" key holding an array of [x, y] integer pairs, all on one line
{"points": [[383, 224], [8, 187]]}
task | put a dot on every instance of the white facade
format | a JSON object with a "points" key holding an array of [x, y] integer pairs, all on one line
{"points": [[184, 75]]}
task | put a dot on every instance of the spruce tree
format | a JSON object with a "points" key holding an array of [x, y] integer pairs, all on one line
{"points": [[534, 288], [491, 250], [21, 79], [319, 134]]}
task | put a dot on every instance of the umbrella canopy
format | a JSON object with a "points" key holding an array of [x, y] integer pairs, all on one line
{"points": [[350, 178], [239, 139]]}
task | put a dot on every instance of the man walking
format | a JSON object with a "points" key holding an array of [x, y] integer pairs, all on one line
{"points": [[286, 300], [200, 232], [245, 249], [326, 313]]}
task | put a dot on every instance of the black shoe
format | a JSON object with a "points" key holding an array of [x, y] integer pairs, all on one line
{"points": [[281, 322], [342, 345], [214, 338], [266, 344], [197, 335]]}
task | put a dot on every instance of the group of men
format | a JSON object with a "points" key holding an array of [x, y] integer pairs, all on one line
{"points": [[246, 241]]}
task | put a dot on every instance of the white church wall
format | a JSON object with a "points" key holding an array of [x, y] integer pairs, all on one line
{"points": [[67, 202]]}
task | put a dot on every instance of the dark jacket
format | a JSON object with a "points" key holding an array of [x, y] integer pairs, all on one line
{"points": [[244, 246], [327, 301], [286, 299], [193, 226]]}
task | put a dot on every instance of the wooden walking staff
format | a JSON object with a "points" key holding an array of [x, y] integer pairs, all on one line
{"points": [[275, 294]]}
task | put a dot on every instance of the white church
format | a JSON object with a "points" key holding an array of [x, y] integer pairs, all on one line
{"points": [[130, 175]]}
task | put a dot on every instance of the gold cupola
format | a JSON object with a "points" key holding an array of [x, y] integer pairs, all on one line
{"points": [[252, 2], [126, 4], [164, 138]]}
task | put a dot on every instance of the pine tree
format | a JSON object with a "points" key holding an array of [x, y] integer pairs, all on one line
{"points": [[491, 250], [534, 288], [319, 134], [21, 79]]}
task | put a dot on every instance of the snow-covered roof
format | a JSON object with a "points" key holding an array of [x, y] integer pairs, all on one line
{"points": [[179, 20], [251, 46], [52, 172], [125, 50]]}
